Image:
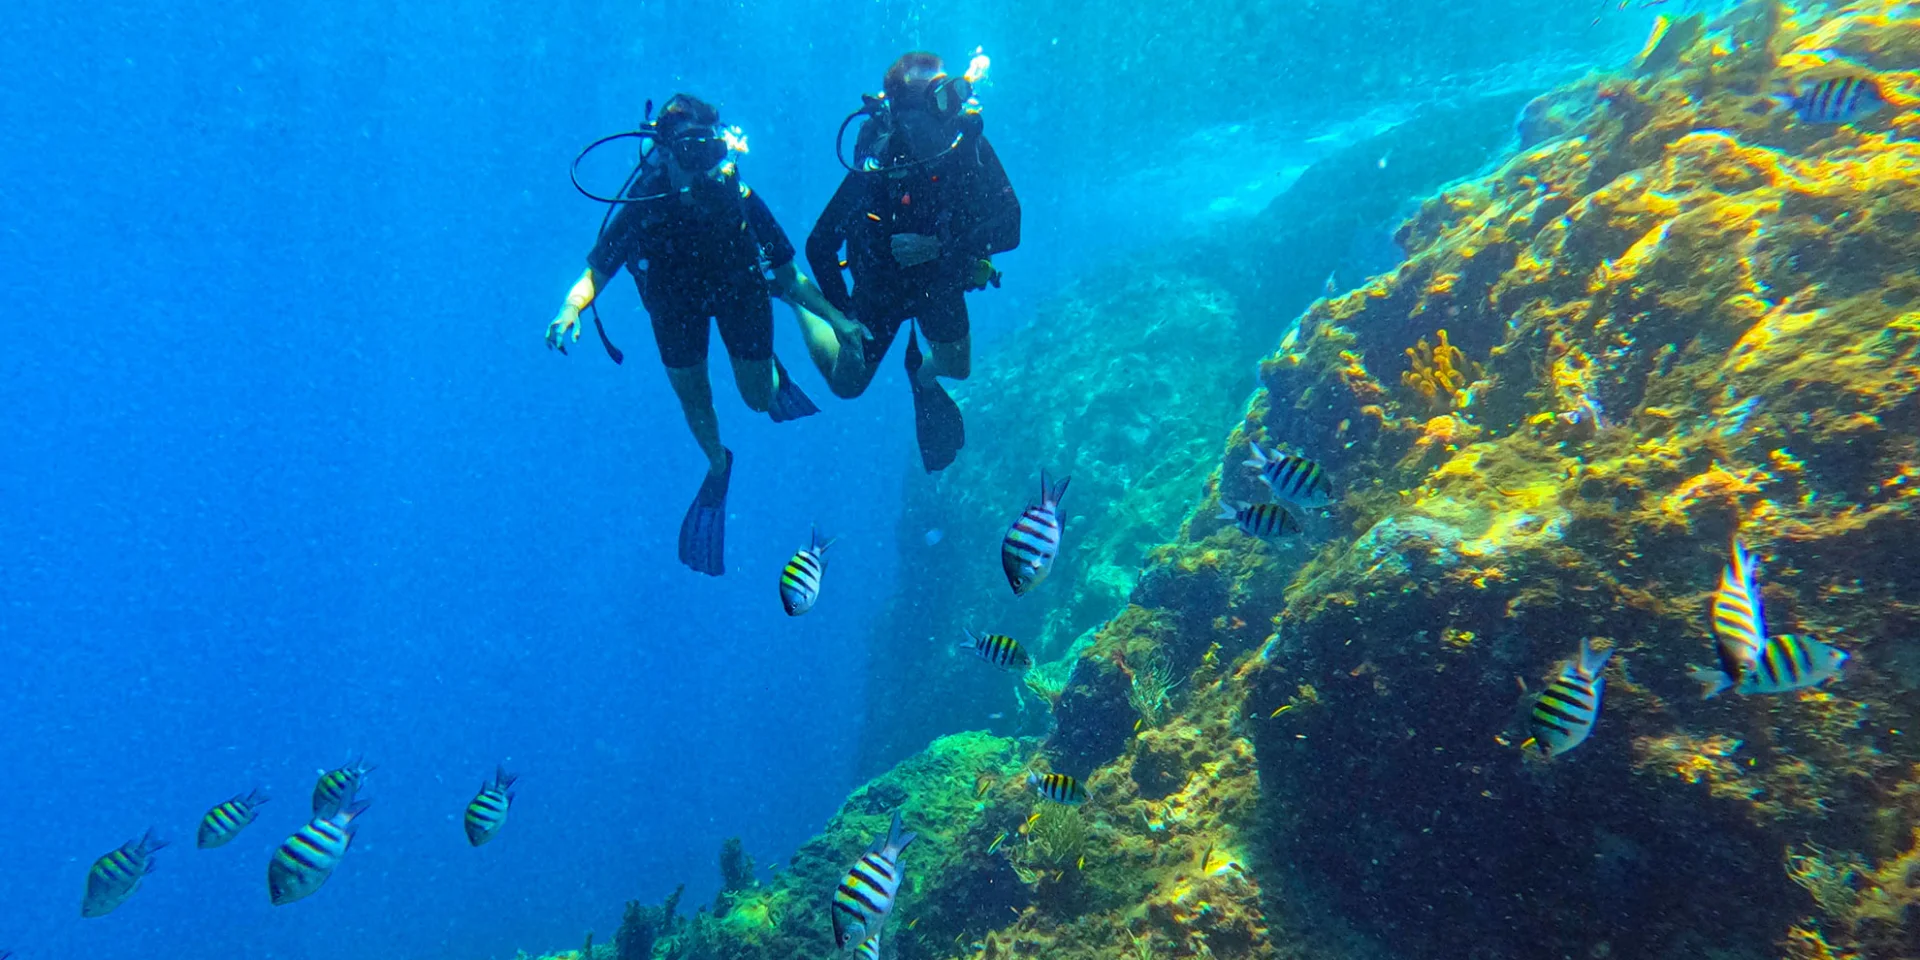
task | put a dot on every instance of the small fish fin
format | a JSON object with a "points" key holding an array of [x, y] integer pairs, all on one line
{"points": [[1227, 511], [1259, 458], [353, 810], [257, 796], [1712, 682], [820, 546], [1593, 661], [149, 842], [1058, 491]]}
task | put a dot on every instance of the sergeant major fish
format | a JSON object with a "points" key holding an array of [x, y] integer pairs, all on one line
{"points": [[1058, 787], [1835, 100], [1787, 663], [1563, 715], [1001, 651], [1739, 625], [1264, 520], [1031, 544], [306, 860], [800, 579], [1293, 479], [115, 876], [336, 788], [487, 812], [864, 899], [225, 821]]}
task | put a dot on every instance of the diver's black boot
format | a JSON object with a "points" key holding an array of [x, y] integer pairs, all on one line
{"points": [[703, 534], [936, 418], [789, 401]]}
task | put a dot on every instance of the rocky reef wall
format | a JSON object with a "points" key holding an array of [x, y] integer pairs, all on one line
{"points": [[1125, 382]]}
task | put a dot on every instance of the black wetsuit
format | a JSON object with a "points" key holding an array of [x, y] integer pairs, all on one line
{"points": [[699, 260], [964, 201]]}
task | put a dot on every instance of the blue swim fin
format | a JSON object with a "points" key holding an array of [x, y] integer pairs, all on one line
{"points": [[703, 534], [789, 402], [936, 418]]}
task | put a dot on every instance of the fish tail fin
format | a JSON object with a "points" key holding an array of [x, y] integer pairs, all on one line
{"points": [[898, 839], [1259, 458], [1227, 511], [353, 810], [257, 796], [1712, 682], [1593, 661], [1057, 491]]}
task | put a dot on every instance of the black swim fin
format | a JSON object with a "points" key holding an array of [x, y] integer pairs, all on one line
{"points": [[936, 418], [789, 401], [703, 534]]}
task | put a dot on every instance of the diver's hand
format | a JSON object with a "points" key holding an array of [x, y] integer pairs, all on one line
{"points": [[914, 249], [567, 319], [851, 331]]}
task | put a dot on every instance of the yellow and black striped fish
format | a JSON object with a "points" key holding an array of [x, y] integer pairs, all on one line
{"points": [[488, 811], [1001, 651], [1788, 662], [336, 788], [1263, 520], [1564, 713], [862, 901], [1739, 625], [1032, 543], [800, 579], [869, 949], [1293, 478], [115, 876], [1058, 787], [308, 857], [224, 822]]}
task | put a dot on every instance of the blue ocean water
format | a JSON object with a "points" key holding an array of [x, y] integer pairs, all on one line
{"points": [[289, 476]]}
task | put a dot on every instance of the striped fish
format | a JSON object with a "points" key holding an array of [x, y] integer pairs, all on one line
{"points": [[1739, 626], [800, 580], [1294, 479], [488, 811], [1564, 713], [1027, 551], [1788, 662], [869, 949], [1264, 520], [1835, 100], [308, 857], [115, 876], [336, 788], [1058, 787], [863, 900], [224, 822], [1001, 651]]}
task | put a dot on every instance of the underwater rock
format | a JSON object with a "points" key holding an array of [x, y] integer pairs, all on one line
{"points": [[1125, 381]]}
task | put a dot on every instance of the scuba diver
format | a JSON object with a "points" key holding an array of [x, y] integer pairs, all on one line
{"points": [[701, 246], [921, 211]]}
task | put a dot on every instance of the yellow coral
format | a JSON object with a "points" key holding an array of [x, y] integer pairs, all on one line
{"points": [[1439, 374]]}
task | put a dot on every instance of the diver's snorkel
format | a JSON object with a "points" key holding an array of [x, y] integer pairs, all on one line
{"points": [[948, 98]]}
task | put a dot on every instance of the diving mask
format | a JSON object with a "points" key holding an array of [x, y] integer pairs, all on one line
{"points": [[698, 149]]}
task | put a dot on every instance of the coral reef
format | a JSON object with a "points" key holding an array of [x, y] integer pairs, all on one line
{"points": [[1676, 316], [1125, 381]]}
